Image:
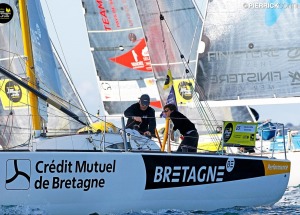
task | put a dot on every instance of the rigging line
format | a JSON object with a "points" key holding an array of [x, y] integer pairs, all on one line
{"points": [[200, 97], [55, 96], [202, 16], [198, 89], [170, 33], [204, 115], [11, 103], [61, 100], [10, 128], [56, 35], [9, 100], [9, 58], [202, 112], [161, 17], [165, 49], [49, 113], [69, 78], [174, 63], [114, 31], [19, 45], [193, 39], [21, 59], [9, 39], [11, 111], [56, 115], [6, 124], [12, 76], [26, 143]]}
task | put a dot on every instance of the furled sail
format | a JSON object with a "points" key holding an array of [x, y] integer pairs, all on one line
{"points": [[118, 45], [15, 116]]}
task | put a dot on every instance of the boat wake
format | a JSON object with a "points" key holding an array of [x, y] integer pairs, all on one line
{"points": [[20, 210]]}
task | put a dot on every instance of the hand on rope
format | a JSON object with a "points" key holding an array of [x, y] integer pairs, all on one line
{"points": [[137, 118], [147, 133]]}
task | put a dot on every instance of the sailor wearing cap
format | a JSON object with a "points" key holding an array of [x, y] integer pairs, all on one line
{"points": [[141, 116]]}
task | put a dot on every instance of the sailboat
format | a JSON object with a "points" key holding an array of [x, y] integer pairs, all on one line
{"points": [[250, 59], [62, 172]]}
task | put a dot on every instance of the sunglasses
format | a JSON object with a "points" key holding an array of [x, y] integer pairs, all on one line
{"points": [[166, 111]]}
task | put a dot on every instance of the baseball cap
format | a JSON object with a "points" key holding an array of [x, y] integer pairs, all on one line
{"points": [[145, 99]]}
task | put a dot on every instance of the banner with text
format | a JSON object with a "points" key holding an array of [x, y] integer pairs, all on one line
{"points": [[239, 133]]}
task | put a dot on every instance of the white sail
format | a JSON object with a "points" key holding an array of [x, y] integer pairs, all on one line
{"points": [[50, 78], [251, 53], [118, 45]]}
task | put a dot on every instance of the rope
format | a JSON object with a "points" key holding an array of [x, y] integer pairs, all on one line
{"points": [[56, 35], [161, 17], [198, 96]]}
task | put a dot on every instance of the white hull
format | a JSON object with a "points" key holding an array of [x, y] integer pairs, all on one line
{"points": [[133, 181], [292, 154], [294, 157]]}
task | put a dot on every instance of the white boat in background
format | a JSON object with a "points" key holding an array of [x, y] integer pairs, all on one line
{"points": [[274, 140], [113, 170]]}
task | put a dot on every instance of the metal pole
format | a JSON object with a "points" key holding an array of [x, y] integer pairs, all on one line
{"points": [[283, 135], [124, 133]]}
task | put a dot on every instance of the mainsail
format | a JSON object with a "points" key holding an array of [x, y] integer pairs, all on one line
{"points": [[252, 52], [16, 124], [118, 45]]}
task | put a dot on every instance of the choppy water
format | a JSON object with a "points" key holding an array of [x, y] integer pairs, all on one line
{"points": [[289, 204]]}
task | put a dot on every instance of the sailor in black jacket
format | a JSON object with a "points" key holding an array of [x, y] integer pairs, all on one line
{"points": [[185, 127], [141, 116]]}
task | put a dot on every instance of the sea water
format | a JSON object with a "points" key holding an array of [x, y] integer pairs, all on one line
{"points": [[289, 204]]}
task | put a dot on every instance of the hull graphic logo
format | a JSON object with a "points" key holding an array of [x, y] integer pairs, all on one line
{"points": [[230, 164], [166, 172], [18, 174], [182, 171]]}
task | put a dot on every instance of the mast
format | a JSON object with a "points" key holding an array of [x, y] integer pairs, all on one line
{"points": [[29, 66]]}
